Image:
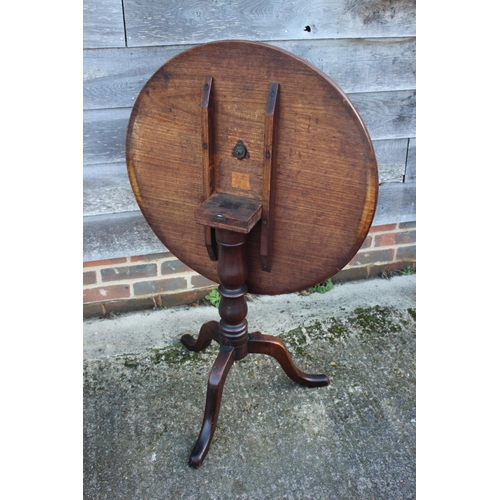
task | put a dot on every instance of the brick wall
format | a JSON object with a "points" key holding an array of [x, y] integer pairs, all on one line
{"points": [[160, 280]]}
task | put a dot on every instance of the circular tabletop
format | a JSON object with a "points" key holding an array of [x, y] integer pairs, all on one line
{"points": [[325, 182]]}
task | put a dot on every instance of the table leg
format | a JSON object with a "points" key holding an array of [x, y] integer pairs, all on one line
{"points": [[273, 346], [222, 365], [208, 332]]}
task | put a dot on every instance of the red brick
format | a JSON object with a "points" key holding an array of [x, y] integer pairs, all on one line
{"points": [[150, 257], [377, 270], [93, 310], [132, 304], [128, 272], [181, 298], [173, 266], [159, 286], [372, 257], [111, 292], [200, 281], [89, 278], [407, 225], [385, 240], [367, 243], [105, 262], [405, 237], [350, 274], [141, 303], [407, 253], [385, 227]]}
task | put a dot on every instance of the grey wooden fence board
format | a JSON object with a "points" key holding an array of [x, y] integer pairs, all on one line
{"points": [[114, 77], [366, 46], [396, 203], [411, 164], [391, 159], [387, 115], [118, 235], [104, 135], [103, 23], [107, 190], [166, 22], [361, 65], [127, 233], [106, 187]]}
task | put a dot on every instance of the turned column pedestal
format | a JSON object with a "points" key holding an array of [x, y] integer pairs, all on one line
{"points": [[231, 332]]}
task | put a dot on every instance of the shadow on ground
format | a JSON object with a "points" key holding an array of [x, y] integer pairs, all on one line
{"points": [[354, 439]]}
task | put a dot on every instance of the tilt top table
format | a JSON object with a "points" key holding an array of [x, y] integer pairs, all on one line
{"points": [[253, 168]]}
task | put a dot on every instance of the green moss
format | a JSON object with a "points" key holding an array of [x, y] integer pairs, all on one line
{"points": [[336, 329], [175, 354], [295, 340], [299, 338], [131, 363], [375, 319]]}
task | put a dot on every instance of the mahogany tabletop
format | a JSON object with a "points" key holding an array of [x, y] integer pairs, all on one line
{"points": [[325, 181]]}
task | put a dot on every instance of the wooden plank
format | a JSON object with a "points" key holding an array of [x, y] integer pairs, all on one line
{"points": [[104, 135], [207, 138], [197, 21], [387, 115], [206, 108], [361, 65], [396, 203], [391, 159], [106, 189], [103, 23], [411, 163], [271, 127], [120, 235], [113, 77]]}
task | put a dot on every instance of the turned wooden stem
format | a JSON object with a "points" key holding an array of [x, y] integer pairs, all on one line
{"points": [[232, 333], [232, 274]]}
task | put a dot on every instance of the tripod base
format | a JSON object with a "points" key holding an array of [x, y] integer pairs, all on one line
{"points": [[256, 343]]}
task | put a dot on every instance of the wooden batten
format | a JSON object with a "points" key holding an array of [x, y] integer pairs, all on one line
{"points": [[207, 159], [270, 142]]}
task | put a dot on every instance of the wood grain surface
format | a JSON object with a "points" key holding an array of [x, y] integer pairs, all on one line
{"points": [[198, 21], [325, 184], [387, 116], [103, 23], [114, 235], [113, 77]]}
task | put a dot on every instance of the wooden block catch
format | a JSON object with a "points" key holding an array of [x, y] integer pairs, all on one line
{"points": [[226, 211]]}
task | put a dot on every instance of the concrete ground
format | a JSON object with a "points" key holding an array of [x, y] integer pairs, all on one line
{"points": [[144, 397]]}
